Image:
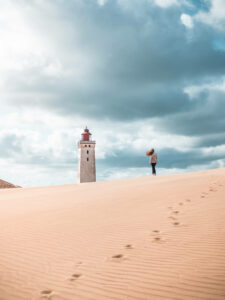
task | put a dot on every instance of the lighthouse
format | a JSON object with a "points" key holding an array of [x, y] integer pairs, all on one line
{"points": [[86, 164]]}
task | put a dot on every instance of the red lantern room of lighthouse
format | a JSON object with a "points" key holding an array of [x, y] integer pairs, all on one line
{"points": [[86, 135]]}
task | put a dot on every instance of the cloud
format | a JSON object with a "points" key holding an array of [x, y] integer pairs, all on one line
{"points": [[130, 70], [211, 140], [187, 20], [101, 2], [215, 16], [166, 3], [195, 91], [168, 158], [117, 65], [9, 145], [207, 118]]}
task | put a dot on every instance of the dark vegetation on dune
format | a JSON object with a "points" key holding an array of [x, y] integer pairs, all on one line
{"points": [[7, 185]]}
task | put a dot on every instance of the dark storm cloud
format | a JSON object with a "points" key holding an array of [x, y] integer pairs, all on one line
{"points": [[141, 59], [207, 117], [126, 61], [167, 158], [171, 158], [211, 140]]}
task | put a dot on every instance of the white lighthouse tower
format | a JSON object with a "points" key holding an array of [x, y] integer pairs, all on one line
{"points": [[86, 165]]}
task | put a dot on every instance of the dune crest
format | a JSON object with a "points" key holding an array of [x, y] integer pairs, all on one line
{"points": [[7, 185], [142, 238]]}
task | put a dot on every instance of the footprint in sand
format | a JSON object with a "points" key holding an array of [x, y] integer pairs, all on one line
{"points": [[188, 200], [176, 212], [202, 196], [118, 258], [181, 203], [129, 246], [75, 276], [176, 223], [157, 238], [156, 235], [46, 293]]}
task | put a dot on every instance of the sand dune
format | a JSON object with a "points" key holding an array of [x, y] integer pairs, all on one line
{"points": [[7, 185], [144, 238]]}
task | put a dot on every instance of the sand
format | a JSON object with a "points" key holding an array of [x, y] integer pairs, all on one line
{"points": [[145, 238]]}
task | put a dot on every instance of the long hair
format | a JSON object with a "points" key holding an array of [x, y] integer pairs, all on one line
{"points": [[151, 152]]}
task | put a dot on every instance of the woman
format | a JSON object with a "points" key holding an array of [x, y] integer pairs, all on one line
{"points": [[153, 161]]}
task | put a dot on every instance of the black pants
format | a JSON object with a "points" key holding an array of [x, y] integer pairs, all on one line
{"points": [[153, 168]]}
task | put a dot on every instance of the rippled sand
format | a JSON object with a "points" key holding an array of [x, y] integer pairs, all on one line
{"points": [[145, 238]]}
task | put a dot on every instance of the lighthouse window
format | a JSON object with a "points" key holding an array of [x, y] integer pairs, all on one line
{"points": [[87, 159], [85, 146], [89, 146], [87, 151]]}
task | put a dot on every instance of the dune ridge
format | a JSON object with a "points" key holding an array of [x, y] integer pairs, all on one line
{"points": [[7, 185], [142, 238]]}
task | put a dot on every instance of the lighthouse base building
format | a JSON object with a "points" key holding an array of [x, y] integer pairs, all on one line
{"points": [[86, 163]]}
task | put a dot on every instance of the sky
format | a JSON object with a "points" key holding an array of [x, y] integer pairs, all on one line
{"points": [[140, 74]]}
